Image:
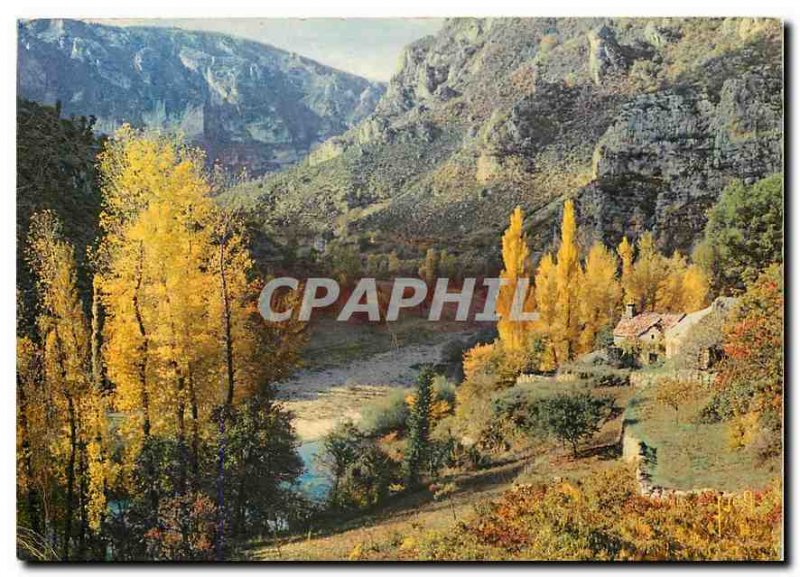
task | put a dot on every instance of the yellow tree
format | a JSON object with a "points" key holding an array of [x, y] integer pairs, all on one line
{"points": [[669, 292], [625, 252], [184, 342], [516, 266], [684, 287], [565, 327], [599, 294], [74, 411], [156, 206], [35, 475], [696, 286], [546, 294], [649, 270]]}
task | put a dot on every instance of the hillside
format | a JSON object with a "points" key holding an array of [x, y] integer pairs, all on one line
{"points": [[643, 122], [56, 172], [248, 104]]}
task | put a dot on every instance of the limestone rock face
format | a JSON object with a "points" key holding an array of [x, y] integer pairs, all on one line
{"points": [[642, 121], [605, 54], [668, 155], [248, 104]]}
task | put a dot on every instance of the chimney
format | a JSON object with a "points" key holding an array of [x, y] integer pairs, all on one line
{"points": [[630, 310]]}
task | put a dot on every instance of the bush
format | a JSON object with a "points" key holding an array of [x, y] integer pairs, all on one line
{"points": [[444, 390], [387, 414], [447, 450], [360, 471], [365, 481]]}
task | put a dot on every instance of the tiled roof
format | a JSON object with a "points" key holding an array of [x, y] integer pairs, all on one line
{"points": [[635, 326]]}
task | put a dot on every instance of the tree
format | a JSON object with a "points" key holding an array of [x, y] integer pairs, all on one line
{"points": [[750, 380], [574, 418], [449, 266], [429, 269], [744, 233], [360, 471], [184, 343], [695, 288], [419, 428], [546, 295], [343, 263], [74, 409], [648, 272], [625, 252], [516, 266], [565, 329], [674, 393], [684, 287], [599, 295]]}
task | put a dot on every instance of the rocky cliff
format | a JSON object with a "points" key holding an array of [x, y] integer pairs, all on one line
{"points": [[642, 121], [248, 104]]}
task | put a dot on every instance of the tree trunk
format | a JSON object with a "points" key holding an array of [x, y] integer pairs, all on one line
{"points": [[229, 372], [73, 441], [98, 380], [83, 497], [195, 455], [30, 498], [143, 349], [226, 324]]}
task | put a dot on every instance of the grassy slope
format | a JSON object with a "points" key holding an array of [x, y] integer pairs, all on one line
{"points": [[693, 455]]}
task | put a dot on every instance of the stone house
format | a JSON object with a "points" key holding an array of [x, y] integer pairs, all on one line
{"points": [[644, 334], [675, 337]]}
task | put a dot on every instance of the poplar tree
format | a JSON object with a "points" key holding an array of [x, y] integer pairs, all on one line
{"points": [[568, 271], [516, 266], [72, 415], [625, 252], [599, 295]]}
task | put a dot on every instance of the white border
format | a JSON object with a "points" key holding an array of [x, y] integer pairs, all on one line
{"points": [[308, 8]]}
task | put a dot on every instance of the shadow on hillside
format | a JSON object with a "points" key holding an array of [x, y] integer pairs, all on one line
{"points": [[501, 474]]}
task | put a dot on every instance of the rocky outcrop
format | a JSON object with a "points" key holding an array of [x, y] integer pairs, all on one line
{"points": [[248, 104], [668, 155], [605, 54], [643, 122]]}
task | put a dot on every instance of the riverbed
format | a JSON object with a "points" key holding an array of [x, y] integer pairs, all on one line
{"points": [[322, 398]]}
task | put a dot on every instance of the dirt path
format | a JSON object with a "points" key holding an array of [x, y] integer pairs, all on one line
{"points": [[321, 398]]}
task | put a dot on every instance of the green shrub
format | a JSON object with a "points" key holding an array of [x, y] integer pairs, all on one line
{"points": [[360, 471], [387, 414]]}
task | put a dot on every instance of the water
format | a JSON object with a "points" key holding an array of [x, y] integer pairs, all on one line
{"points": [[314, 482]]}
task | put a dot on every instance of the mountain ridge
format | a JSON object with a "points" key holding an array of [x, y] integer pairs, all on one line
{"points": [[247, 103]]}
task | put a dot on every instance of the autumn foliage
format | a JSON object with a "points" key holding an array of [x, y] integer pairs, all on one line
{"points": [[603, 518], [121, 412]]}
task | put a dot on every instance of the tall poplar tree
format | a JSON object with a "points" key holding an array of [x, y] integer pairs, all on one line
{"points": [[568, 272], [516, 266]]}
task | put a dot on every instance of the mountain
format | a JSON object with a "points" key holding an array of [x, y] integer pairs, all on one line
{"points": [[641, 121], [248, 104]]}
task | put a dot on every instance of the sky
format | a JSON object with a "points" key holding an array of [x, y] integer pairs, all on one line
{"points": [[369, 47]]}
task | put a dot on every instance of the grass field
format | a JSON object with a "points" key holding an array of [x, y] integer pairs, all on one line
{"points": [[690, 454]]}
